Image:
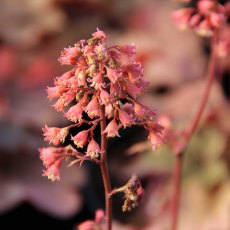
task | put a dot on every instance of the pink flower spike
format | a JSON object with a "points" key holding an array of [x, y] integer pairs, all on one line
{"points": [[99, 34], [53, 172], [92, 109], [112, 129], [74, 113], [125, 118], [93, 149], [80, 139], [51, 134]]}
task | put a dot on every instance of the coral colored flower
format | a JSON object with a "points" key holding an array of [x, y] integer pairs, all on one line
{"points": [[51, 134], [155, 139], [112, 74], [97, 81], [92, 109], [205, 6], [101, 51], [62, 134], [99, 34], [59, 105], [93, 149], [216, 19], [93, 224], [69, 96], [48, 156], [204, 18], [140, 110], [63, 79], [84, 101], [115, 89], [105, 78], [55, 92], [87, 225], [81, 79], [74, 113], [134, 71], [69, 56], [112, 129], [182, 16], [204, 28], [128, 50], [53, 172], [195, 20], [143, 112], [105, 97], [125, 118], [133, 89], [109, 111], [80, 139]]}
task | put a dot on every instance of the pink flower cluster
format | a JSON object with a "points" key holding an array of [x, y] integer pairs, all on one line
{"points": [[52, 158], [207, 16], [101, 77]]}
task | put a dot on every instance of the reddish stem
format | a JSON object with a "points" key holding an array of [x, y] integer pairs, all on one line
{"points": [[181, 147], [104, 170]]}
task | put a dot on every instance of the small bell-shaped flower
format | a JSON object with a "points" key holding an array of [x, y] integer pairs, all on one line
{"points": [[92, 109], [93, 149], [53, 172], [112, 129], [81, 138], [51, 134], [125, 118], [74, 113]]}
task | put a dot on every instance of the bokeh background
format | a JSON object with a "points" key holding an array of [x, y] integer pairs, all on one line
{"points": [[32, 34]]}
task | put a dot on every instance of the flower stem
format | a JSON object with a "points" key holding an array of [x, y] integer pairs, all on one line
{"points": [[180, 149], [104, 170]]}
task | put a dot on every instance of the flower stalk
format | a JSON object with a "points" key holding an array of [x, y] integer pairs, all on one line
{"points": [[100, 90], [105, 171], [180, 148]]}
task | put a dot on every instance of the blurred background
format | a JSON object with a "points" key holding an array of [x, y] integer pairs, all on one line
{"points": [[32, 34]]}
